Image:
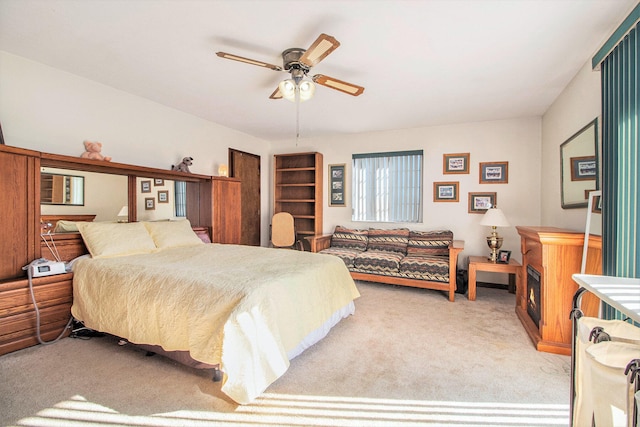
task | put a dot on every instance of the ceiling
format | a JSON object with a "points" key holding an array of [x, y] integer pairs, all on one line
{"points": [[422, 63]]}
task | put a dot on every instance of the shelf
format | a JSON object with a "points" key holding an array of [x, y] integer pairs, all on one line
{"points": [[298, 186], [295, 169]]}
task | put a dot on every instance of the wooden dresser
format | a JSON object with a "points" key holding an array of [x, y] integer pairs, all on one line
{"points": [[544, 299]]}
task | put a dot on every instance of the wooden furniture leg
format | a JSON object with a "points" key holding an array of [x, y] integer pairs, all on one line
{"points": [[472, 282]]}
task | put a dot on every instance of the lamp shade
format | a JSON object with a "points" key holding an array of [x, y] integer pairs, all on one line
{"points": [[124, 211], [494, 218], [304, 89], [288, 89]]}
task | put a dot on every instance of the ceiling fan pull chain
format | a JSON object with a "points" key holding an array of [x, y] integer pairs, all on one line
{"points": [[297, 116]]}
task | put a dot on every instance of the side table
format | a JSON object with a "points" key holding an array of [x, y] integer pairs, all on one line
{"points": [[481, 263]]}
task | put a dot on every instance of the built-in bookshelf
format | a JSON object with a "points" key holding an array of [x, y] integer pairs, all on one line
{"points": [[298, 190]]}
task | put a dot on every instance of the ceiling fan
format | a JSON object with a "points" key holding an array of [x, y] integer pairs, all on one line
{"points": [[298, 63]]}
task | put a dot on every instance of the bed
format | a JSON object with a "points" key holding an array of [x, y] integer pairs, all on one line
{"points": [[248, 309]]}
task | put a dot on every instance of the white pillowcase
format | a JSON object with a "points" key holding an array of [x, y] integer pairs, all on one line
{"points": [[171, 234], [111, 239]]}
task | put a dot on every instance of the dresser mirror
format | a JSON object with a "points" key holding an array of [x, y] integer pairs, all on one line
{"points": [[579, 166], [59, 189], [102, 195]]}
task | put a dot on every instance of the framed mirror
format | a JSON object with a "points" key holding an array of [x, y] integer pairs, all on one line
{"points": [[58, 189], [579, 166]]}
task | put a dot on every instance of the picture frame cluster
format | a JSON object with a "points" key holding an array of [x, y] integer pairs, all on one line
{"points": [[162, 196], [489, 173]]}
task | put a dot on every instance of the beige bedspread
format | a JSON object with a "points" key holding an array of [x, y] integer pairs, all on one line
{"points": [[240, 306]]}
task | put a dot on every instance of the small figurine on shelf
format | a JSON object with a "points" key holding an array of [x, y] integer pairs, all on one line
{"points": [[183, 166], [92, 151]]}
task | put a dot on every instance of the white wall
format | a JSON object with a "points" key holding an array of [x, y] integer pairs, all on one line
{"points": [[516, 141], [578, 104], [46, 109]]}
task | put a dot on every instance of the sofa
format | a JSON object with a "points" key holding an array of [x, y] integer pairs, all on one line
{"points": [[422, 259]]}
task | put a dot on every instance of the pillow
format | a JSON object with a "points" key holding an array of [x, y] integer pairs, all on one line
{"points": [[171, 234], [111, 239], [429, 242], [347, 238], [64, 226], [395, 240]]}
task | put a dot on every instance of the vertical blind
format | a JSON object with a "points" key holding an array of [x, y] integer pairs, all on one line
{"points": [[620, 161], [181, 198], [387, 187]]}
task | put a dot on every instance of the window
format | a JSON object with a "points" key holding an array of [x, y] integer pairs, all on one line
{"points": [[387, 187]]}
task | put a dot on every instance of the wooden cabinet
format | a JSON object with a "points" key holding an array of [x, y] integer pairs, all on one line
{"points": [[18, 195], [544, 297], [17, 315], [226, 210], [298, 190]]}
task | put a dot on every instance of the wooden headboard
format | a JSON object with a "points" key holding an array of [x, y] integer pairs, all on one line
{"points": [[71, 245], [21, 231], [48, 222]]}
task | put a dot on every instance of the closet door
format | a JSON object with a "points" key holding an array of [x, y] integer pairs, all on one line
{"points": [[20, 210]]}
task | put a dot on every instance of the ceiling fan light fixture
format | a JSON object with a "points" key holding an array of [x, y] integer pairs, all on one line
{"points": [[288, 89], [307, 89]]}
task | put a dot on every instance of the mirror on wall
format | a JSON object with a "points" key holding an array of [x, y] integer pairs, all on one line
{"points": [[156, 199], [104, 194], [579, 166], [57, 189]]}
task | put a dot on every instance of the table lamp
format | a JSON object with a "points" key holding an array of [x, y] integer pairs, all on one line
{"points": [[494, 218], [123, 215]]}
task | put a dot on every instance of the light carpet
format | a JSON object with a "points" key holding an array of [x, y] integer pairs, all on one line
{"points": [[408, 357]]}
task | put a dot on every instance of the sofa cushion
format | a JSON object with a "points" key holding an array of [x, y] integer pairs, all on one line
{"points": [[380, 262], [429, 242], [345, 254], [426, 267], [348, 238], [395, 240]]}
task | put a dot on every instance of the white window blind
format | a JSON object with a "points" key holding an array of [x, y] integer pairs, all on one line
{"points": [[387, 187]]}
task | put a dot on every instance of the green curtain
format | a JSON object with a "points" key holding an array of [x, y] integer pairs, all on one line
{"points": [[621, 161]]}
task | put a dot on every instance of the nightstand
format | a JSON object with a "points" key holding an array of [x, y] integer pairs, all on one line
{"points": [[482, 263], [54, 295]]}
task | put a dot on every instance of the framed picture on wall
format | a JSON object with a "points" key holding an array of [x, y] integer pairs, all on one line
{"points": [[445, 191], [494, 173], [163, 196], [149, 203], [337, 193], [455, 163], [158, 182], [145, 186], [480, 202], [583, 168]]}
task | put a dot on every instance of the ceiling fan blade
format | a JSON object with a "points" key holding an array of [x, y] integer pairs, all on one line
{"points": [[340, 85], [319, 50], [248, 61], [276, 94]]}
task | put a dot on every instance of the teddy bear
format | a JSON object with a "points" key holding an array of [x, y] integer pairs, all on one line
{"points": [[93, 151], [183, 166]]}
